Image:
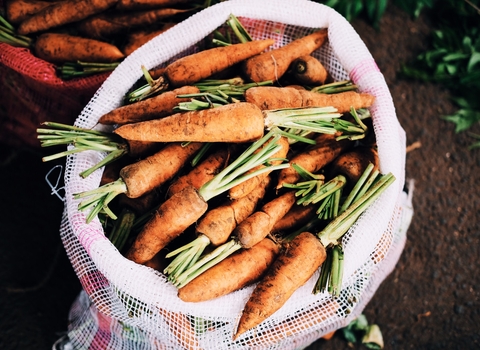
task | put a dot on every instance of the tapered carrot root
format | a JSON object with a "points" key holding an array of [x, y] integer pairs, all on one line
{"points": [[172, 217], [158, 106], [140, 37], [292, 269], [201, 173], [219, 223], [192, 68], [270, 97], [307, 70], [353, 163], [61, 13], [273, 64], [247, 186], [60, 48], [243, 268], [258, 225], [144, 176], [17, 11], [314, 158], [236, 123]]}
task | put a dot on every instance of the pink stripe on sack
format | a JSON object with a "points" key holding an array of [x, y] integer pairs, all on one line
{"points": [[362, 68]]}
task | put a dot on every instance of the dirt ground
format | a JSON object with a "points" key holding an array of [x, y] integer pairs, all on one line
{"points": [[430, 301]]}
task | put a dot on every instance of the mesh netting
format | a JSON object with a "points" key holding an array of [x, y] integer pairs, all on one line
{"points": [[32, 92], [129, 306]]}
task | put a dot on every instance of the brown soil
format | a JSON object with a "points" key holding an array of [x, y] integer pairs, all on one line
{"points": [[430, 301]]}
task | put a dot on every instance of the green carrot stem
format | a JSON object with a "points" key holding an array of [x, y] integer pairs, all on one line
{"points": [[356, 188], [239, 30], [321, 284]]}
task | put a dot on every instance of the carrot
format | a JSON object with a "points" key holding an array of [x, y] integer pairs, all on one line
{"points": [[141, 177], [17, 11], [147, 4], [214, 228], [313, 158], [258, 225], [308, 70], [156, 107], [140, 37], [353, 163], [59, 48], [270, 97], [236, 123], [174, 215], [242, 268], [63, 12], [273, 64], [296, 216], [246, 187], [184, 208], [181, 328], [107, 25], [291, 269], [203, 172], [195, 67]]}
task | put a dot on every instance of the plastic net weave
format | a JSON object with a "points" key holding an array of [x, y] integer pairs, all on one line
{"points": [[125, 305]]}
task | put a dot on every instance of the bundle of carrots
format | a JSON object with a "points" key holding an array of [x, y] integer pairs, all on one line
{"points": [[244, 161]]}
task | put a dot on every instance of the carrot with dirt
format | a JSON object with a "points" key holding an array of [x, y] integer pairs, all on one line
{"points": [[184, 208], [271, 97], [214, 229], [156, 107], [307, 70], [242, 268], [139, 178], [203, 172], [92, 140], [105, 26], [353, 163], [60, 48], [140, 37], [272, 65], [17, 11], [63, 12], [304, 254], [296, 216]]}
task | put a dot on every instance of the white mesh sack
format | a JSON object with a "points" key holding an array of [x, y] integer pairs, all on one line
{"points": [[125, 305]]}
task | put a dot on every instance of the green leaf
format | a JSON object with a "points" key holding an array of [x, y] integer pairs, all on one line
{"points": [[463, 119], [474, 59]]}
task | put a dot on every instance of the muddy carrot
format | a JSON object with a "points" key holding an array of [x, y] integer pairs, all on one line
{"points": [[140, 37], [272, 65], [270, 97], [296, 216], [352, 164], [242, 268], [307, 70], [17, 11], [156, 107], [147, 4]]}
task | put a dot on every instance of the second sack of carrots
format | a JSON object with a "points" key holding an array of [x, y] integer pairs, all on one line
{"points": [[250, 190]]}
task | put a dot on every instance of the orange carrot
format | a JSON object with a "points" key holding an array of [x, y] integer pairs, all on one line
{"points": [[147, 4], [174, 216], [181, 328], [107, 25], [308, 70], [246, 187], [274, 64], [195, 67], [270, 97], [201, 173], [353, 163], [313, 158], [242, 268], [60, 48], [63, 12], [17, 11], [298, 215], [292, 269], [156, 107], [236, 123], [258, 225]]}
